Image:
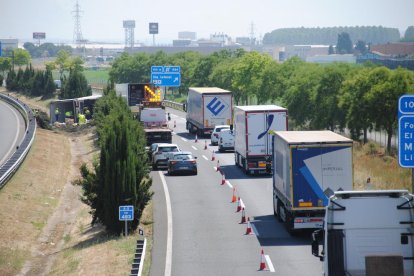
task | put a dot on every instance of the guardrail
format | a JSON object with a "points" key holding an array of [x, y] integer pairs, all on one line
{"points": [[13, 163], [178, 106]]}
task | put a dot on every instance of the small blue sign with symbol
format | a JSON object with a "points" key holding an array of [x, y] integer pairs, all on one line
{"points": [[126, 212], [406, 131], [166, 75]]}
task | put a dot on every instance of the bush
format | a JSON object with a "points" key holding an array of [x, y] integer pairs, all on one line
{"points": [[1, 80], [43, 120]]}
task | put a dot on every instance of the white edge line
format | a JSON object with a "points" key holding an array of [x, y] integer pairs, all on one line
{"points": [[194, 148], [185, 140], [168, 256], [269, 263], [8, 154], [205, 157], [254, 229]]}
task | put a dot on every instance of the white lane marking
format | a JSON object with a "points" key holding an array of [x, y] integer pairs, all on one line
{"points": [[168, 257], [242, 204], [12, 148], [194, 148], [174, 133], [269, 263], [205, 157], [185, 140], [184, 119], [229, 184]]}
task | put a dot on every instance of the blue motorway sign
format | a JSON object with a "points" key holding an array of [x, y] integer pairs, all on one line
{"points": [[406, 131], [126, 212], [166, 75]]}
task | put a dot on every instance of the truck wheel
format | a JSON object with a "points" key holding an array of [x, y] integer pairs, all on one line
{"points": [[278, 205], [289, 223]]}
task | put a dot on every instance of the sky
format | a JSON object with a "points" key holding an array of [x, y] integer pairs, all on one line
{"points": [[102, 19]]}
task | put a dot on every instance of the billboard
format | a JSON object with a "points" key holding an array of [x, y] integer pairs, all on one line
{"points": [[129, 23], [153, 28], [38, 35]]}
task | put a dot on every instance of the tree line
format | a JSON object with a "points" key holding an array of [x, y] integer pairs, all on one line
{"points": [[334, 96], [328, 35], [45, 49], [120, 176]]}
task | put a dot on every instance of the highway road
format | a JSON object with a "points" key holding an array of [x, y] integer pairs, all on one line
{"points": [[206, 236], [12, 129]]}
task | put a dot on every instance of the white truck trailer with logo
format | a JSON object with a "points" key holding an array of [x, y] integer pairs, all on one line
{"points": [[253, 143], [308, 167], [367, 233], [207, 107]]}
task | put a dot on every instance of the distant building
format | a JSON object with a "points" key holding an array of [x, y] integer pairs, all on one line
{"points": [[9, 43], [245, 41], [181, 42], [394, 49], [331, 58], [221, 38], [187, 35], [304, 51]]}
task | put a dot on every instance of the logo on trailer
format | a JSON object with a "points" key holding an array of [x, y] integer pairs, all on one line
{"points": [[216, 106], [269, 122]]}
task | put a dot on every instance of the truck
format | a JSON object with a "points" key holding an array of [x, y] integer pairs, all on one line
{"points": [[134, 93], [367, 233], [207, 107], [253, 143], [308, 167], [155, 125]]}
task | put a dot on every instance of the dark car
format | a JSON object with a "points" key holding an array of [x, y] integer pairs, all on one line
{"points": [[182, 162]]}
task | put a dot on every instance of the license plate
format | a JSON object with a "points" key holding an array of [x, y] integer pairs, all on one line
{"points": [[185, 168]]}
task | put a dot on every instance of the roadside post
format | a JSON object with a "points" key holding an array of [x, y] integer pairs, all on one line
{"points": [[406, 134], [126, 213]]}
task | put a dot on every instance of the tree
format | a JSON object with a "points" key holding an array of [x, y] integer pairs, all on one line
{"points": [[344, 44], [361, 47], [21, 57], [120, 177], [5, 64], [331, 50], [409, 34], [62, 62]]}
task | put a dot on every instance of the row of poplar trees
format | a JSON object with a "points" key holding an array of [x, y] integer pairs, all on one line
{"points": [[120, 176]]}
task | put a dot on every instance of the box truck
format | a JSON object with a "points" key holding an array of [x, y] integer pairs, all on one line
{"points": [[253, 143], [207, 107], [308, 167], [367, 233]]}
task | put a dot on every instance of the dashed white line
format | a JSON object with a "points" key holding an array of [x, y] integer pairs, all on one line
{"points": [[205, 157], [185, 140], [229, 184], [269, 263], [194, 148]]}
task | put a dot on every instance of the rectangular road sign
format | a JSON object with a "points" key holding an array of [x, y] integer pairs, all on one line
{"points": [[166, 75], [126, 212], [406, 131]]}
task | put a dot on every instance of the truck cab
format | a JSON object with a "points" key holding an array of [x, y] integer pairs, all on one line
{"points": [[366, 232]]}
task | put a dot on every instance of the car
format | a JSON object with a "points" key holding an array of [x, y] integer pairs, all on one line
{"points": [[215, 133], [182, 162], [150, 150], [160, 154], [226, 140]]}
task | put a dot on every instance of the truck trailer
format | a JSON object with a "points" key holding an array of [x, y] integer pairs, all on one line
{"points": [[367, 233], [308, 167], [207, 107], [253, 143]]}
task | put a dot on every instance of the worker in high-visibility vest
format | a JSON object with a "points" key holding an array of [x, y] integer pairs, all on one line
{"points": [[57, 114]]}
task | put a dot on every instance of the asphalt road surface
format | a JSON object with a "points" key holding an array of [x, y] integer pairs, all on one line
{"points": [[203, 235], [12, 128]]}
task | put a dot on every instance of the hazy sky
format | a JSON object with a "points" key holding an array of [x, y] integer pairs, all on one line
{"points": [[102, 19]]}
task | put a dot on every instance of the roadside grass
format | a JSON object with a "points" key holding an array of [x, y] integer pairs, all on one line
{"points": [[27, 197]]}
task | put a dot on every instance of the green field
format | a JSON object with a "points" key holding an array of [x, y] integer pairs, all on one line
{"points": [[96, 78]]}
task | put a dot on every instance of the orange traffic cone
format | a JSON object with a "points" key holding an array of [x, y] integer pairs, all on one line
{"points": [[262, 261], [243, 218], [234, 198], [212, 156], [238, 206], [223, 179], [218, 166], [175, 124], [249, 227], [205, 145], [196, 139]]}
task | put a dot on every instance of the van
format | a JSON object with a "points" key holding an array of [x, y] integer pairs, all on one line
{"points": [[226, 140]]}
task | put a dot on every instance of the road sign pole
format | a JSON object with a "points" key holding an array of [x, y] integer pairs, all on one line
{"points": [[412, 181], [126, 228]]}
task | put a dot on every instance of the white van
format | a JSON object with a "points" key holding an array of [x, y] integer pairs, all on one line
{"points": [[226, 140]]}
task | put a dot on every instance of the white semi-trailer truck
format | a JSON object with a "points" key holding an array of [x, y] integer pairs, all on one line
{"points": [[207, 107], [308, 167], [253, 143], [367, 233]]}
